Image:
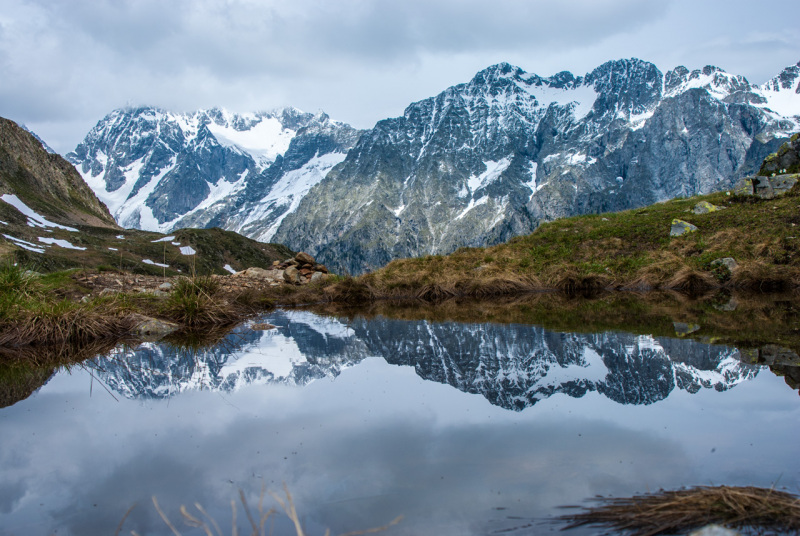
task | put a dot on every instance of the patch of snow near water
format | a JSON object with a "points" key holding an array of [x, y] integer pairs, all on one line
{"points": [[61, 243], [34, 219], [24, 245]]}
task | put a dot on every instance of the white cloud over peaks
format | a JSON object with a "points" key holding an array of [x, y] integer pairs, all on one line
{"points": [[66, 64]]}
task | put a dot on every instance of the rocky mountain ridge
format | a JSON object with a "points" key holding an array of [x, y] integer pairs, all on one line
{"points": [[492, 158], [33, 177], [158, 171], [512, 366], [473, 166]]}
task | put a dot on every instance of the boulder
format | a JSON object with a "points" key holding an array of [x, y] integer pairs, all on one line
{"points": [[680, 227], [728, 262], [704, 207], [304, 258], [254, 273], [261, 274], [321, 268], [291, 275], [318, 276], [766, 187], [683, 328], [152, 328]]}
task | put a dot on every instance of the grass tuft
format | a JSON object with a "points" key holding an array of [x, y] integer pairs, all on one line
{"points": [[678, 512]]}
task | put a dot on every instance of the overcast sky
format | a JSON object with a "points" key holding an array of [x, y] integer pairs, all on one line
{"points": [[65, 64]]}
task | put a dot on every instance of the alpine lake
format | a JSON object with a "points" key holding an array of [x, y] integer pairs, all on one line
{"points": [[459, 418]]}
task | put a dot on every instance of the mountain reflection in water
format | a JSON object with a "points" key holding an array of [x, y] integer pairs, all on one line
{"points": [[513, 366], [360, 419]]}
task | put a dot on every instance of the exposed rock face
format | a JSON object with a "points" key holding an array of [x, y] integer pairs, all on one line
{"points": [[473, 166], [45, 181], [767, 187], [680, 228], [492, 158], [159, 171], [785, 160]]}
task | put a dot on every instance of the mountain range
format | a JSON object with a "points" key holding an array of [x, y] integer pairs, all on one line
{"points": [[511, 365], [475, 165]]}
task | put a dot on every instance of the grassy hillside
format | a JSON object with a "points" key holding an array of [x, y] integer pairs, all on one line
{"points": [[625, 250]]}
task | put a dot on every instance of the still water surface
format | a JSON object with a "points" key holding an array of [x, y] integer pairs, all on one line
{"points": [[459, 428]]}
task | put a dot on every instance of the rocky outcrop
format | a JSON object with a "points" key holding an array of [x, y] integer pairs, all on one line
{"points": [[680, 228], [492, 158], [784, 160], [299, 270], [766, 187], [45, 181], [159, 171]]}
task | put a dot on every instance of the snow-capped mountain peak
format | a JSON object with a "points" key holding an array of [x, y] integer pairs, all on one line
{"points": [[154, 168]]}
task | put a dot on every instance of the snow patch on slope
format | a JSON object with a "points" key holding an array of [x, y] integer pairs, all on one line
{"points": [[263, 142], [34, 219], [290, 190], [492, 173]]}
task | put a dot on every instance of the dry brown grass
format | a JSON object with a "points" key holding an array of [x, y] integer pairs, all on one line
{"points": [[258, 523], [76, 325], [678, 512]]}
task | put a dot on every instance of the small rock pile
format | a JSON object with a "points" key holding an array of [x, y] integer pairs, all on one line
{"points": [[300, 270]]}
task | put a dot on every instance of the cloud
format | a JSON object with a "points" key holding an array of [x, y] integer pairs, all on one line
{"points": [[69, 63]]}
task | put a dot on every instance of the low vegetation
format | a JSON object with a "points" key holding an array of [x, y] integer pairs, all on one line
{"points": [[750, 509], [45, 310], [630, 250]]}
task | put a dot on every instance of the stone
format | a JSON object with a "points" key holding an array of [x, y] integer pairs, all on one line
{"points": [[680, 227], [704, 207], [109, 292], [304, 258], [728, 262], [255, 273], [260, 273], [262, 327], [153, 328], [683, 328], [291, 275], [731, 305], [276, 263], [165, 286], [321, 268], [766, 187], [318, 276], [159, 293]]}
